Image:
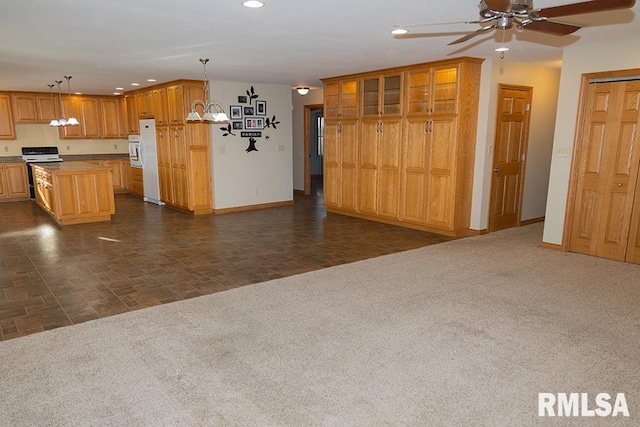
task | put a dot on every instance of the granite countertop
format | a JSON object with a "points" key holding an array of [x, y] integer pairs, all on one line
{"points": [[81, 157], [11, 159], [73, 157], [69, 166]]}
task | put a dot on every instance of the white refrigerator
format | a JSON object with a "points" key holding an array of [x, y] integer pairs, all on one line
{"points": [[149, 160]]}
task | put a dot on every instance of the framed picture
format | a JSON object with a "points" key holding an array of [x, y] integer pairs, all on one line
{"points": [[235, 111], [237, 125], [261, 108], [253, 123], [248, 111], [242, 99]]}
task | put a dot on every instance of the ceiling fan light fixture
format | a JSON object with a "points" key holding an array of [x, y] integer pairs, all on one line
{"points": [[252, 4], [399, 31]]}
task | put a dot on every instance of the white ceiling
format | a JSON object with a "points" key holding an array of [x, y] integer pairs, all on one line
{"points": [[111, 43]]}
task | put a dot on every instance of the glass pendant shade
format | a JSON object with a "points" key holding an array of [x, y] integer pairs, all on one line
{"points": [[212, 110]]}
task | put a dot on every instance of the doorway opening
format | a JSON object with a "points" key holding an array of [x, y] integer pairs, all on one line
{"points": [[314, 150]]}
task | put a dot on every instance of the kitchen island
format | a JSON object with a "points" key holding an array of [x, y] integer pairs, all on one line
{"points": [[74, 192]]}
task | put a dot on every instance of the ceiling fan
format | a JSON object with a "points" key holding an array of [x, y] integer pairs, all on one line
{"points": [[504, 14]]}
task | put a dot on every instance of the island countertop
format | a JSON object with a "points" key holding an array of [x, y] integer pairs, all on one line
{"points": [[69, 166]]}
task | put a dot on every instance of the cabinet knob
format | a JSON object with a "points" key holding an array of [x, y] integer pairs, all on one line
{"points": [[497, 170], [619, 184]]}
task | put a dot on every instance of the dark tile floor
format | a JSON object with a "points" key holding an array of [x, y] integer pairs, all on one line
{"points": [[53, 276]]}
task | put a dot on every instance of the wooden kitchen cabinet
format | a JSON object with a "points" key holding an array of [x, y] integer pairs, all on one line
{"points": [[379, 167], [7, 128], [381, 95], [111, 119], [176, 105], [415, 146], [160, 106], [133, 120], [341, 164], [74, 192], [136, 187], [144, 104], [341, 99], [13, 182], [87, 111]]}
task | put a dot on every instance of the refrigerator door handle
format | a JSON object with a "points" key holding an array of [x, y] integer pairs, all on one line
{"points": [[141, 144]]}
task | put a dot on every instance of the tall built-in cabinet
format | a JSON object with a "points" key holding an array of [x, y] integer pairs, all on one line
{"points": [[414, 141], [184, 164]]}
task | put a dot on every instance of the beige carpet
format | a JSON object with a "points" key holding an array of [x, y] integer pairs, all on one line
{"points": [[464, 333]]}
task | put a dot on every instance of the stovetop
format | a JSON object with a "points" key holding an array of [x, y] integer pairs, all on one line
{"points": [[40, 154]]}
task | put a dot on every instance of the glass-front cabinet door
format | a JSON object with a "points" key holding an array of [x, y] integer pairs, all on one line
{"points": [[341, 99], [381, 95], [432, 91]]}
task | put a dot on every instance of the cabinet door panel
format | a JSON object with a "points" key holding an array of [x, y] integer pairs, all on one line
{"points": [[389, 168], [332, 180], [349, 165], [7, 129], [16, 180], [414, 172]]}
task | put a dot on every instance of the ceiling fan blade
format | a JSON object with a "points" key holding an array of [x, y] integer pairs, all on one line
{"points": [[551, 27], [499, 5], [585, 7], [472, 35], [436, 23]]}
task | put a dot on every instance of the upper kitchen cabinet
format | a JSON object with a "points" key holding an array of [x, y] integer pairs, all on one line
{"points": [[341, 99], [382, 95], [432, 90], [7, 128], [87, 110], [111, 118], [160, 106], [33, 107], [132, 115], [144, 103], [175, 104]]}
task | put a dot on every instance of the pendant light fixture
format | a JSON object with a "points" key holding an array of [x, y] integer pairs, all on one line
{"points": [[61, 121], [71, 120], [54, 122], [213, 111]]}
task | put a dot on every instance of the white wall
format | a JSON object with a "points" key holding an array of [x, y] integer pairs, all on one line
{"points": [[314, 97], [577, 60], [545, 83], [44, 135], [243, 178]]}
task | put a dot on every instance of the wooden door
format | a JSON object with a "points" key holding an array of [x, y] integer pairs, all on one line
{"points": [[71, 106], [164, 163], [608, 173], [348, 165], [390, 136], [16, 180], [368, 167], [332, 169], [160, 106], [110, 117], [509, 155], [132, 115], [179, 166], [46, 108], [441, 163], [7, 129], [175, 104], [24, 108], [89, 117], [414, 169]]}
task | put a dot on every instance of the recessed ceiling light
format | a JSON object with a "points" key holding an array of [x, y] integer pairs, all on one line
{"points": [[399, 31], [117, 93], [151, 80], [252, 3], [119, 88], [77, 93], [135, 84]]}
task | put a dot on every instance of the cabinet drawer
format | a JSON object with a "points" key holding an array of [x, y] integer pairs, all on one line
{"points": [[136, 174]]}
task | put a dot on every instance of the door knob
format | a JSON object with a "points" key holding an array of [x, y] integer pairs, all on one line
{"points": [[619, 184], [497, 170]]}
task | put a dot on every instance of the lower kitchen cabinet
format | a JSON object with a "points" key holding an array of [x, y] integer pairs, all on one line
{"points": [[13, 182], [136, 187]]}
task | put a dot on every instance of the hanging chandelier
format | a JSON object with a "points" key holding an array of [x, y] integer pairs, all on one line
{"points": [[213, 111], [71, 121]]}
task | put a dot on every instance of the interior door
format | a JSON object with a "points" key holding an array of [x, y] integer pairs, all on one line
{"points": [[608, 171], [509, 155]]}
